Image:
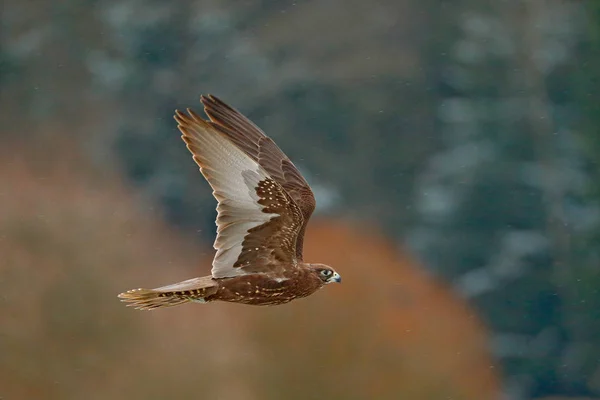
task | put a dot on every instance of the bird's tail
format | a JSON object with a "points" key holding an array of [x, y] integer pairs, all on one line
{"points": [[196, 289]]}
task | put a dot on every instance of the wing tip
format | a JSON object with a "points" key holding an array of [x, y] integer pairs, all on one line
{"points": [[214, 106], [181, 118], [209, 99], [187, 121]]}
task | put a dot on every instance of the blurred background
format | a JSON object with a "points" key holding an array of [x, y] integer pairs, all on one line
{"points": [[453, 148]]}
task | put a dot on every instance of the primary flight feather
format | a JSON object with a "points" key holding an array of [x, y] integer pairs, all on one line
{"points": [[264, 204]]}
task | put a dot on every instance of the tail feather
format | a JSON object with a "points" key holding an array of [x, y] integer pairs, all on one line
{"points": [[149, 299], [196, 289]]}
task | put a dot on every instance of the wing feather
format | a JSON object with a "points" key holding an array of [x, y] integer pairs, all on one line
{"points": [[257, 223], [255, 144]]}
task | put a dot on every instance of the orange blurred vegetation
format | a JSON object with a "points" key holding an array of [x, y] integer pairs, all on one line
{"points": [[72, 237]]}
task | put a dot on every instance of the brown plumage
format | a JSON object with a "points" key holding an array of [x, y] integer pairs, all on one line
{"points": [[264, 204]]}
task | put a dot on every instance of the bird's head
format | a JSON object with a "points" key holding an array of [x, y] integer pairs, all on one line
{"points": [[326, 273]]}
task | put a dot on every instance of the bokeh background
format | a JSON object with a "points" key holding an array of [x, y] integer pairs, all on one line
{"points": [[453, 147]]}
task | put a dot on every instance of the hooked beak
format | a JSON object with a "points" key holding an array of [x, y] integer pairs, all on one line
{"points": [[335, 278]]}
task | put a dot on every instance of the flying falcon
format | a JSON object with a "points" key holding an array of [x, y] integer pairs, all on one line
{"points": [[264, 204]]}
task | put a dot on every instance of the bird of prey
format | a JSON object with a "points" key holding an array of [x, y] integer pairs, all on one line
{"points": [[264, 204]]}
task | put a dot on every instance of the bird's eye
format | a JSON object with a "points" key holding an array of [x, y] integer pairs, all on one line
{"points": [[326, 272]]}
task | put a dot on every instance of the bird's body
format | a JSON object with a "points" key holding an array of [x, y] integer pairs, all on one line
{"points": [[264, 206]]}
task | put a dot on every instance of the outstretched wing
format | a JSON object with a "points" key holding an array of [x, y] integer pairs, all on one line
{"points": [[255, 144], [258, 222]]}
